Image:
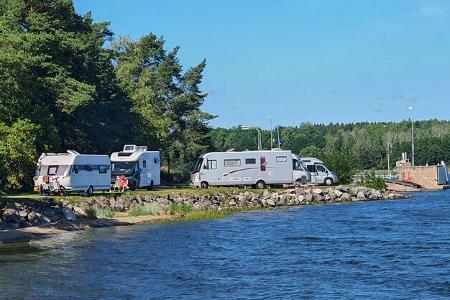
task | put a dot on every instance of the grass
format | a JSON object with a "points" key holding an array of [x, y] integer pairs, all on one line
{"points": [[95, 212], [145, 210], [180, 208]]}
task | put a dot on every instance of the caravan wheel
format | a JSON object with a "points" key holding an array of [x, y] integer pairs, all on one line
{"points": [[260, 185], [90, 191], [204, 185]]}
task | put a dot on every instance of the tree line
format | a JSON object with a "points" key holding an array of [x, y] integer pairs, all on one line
{"points": [[68, 83], [347, 147]]}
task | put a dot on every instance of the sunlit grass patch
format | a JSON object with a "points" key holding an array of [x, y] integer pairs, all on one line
{"points": [[180, 208], [145, 210]]}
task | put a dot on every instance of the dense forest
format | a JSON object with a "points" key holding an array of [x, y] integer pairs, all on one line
{"points": [[69, 83]]}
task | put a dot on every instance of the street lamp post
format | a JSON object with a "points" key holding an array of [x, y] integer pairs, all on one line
{"points": [[279, 142], [412, 135], [271, 132], [245, 127]]}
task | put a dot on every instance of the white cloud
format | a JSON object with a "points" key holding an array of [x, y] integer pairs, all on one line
{"points": [[433, 10]]}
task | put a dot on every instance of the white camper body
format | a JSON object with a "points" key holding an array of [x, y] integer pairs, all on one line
{"points": [[319, 172], [72, 172], [246, 168], [300, 173], [142, 168]]}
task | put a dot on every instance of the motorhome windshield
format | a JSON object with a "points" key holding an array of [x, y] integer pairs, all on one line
{"points": [[198, 165], [298, 166], [122, 168]]}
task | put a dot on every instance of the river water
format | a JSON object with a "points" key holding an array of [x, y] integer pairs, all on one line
{"points": [[383, 249]]}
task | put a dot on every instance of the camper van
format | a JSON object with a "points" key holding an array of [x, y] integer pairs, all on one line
{"points": [[300, 173], [244, 168], [319, 172], [141, 167], [60, 173]]}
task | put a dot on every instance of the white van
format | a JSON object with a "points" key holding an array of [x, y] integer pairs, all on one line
{"points": [[142, 168], [244, 168], [72, 172], [319, 173]]}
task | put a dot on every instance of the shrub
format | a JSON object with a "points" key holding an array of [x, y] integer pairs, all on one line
{"points": [[340, 163], [374, 182]]}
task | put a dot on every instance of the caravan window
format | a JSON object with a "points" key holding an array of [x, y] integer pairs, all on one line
{"points": [[211, 164], [232, 162], [103, 169], [52, 170], [250, 161], [281, 158]]}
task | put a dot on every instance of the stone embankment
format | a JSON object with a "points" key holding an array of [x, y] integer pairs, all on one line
{"points": [[16, 213]]}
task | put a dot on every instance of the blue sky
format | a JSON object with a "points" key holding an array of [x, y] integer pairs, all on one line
{"points": [[300, 61]]}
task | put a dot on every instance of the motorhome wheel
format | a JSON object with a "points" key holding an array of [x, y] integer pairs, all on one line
{"points": [[260, 184], [299, 183], [328, 181], [204, 185], [150, 187]]}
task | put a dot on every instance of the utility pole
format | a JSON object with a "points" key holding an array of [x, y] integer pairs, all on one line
{"points": [[271, 132], [412, 135]]}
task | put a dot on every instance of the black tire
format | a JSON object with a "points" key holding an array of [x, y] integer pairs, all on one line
{"points": [[90, 191], [328, 181], [204, 185], [133, 185], [150, 187], [299, 183], [260, 185]]}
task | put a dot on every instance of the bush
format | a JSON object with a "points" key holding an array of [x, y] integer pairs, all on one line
{"points": [[340, 163], [18, 155], [374, 182], [95, 212]]}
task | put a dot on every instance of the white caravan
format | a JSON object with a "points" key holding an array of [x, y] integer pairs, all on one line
{"points": [[246, 168], [141, 167], [72, 172], [319, 173]]}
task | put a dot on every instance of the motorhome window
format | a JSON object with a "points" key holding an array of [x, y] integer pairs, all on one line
{"points": [[311, 168], [155, 160], [103, 169], [321, 168], [232, 162], [211, 164], [88, 168], [52, 170], [198, 165], [122, 168], [144, 164], [281, 158], [250, 161]]}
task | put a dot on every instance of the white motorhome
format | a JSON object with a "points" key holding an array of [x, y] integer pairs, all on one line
{"points": [[319, 172], [244, 168], [72, 172], [141, 167], [301, 175]]}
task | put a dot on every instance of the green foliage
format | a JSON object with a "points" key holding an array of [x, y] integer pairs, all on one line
{"points": [[145, 210], [340, 163], [93, 212], [18, 154], [374, 182], [180, 208]]}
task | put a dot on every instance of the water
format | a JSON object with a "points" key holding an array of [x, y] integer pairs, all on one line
{"points": [[385, 249]]}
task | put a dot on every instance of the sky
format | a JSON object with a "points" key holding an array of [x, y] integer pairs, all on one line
{"points": [[298, 61]]}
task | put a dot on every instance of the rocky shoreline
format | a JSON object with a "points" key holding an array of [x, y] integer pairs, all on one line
{"points": [[73, 214]]}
